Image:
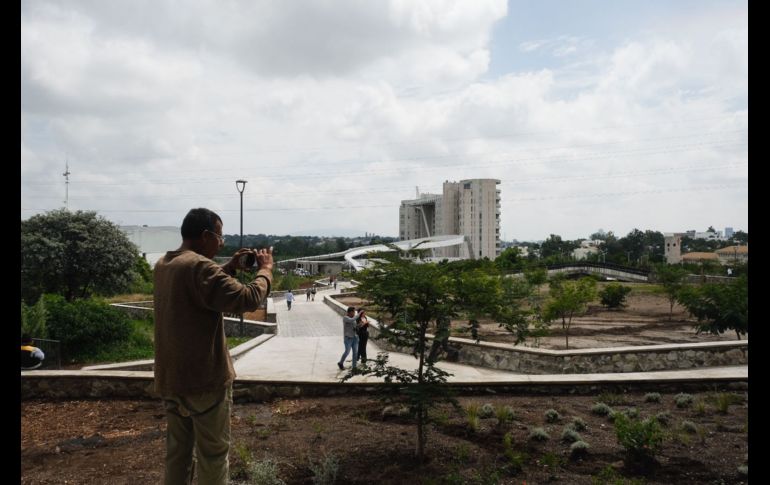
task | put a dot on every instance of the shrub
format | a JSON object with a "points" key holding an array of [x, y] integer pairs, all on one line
{"points": [[641, 439], [486, 411], [631, 412], [601, 409], [504, 414], [539, 434], [578, 424], [265, 472], [570, 435], [614, 295], [723, 400], [85, 327], [683, 400], [472, 415], [551, 416], [611, 398], [325, 471], [652, 397], [663, 418], [689, 426], [578, 448], [33, 318], [516, 459]]}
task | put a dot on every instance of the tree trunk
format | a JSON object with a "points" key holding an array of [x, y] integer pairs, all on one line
{"points": [[420, 380]]}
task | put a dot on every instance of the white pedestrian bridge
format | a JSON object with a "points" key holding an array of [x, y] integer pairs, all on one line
{"points": [[353, 255]]}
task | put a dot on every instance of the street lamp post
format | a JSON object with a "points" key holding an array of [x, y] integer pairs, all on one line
{"points": [[240, 185]]}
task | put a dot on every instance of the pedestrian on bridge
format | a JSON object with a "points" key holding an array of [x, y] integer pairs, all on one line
{"points": [[289, 298]]}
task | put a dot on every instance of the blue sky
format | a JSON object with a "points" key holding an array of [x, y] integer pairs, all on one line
{"points": [[593, 114]]}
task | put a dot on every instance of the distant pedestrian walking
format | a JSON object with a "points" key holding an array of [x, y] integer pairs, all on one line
{"points": [[312, 293], [289, 299], [307, 294], [31, 356], [350, 337]]}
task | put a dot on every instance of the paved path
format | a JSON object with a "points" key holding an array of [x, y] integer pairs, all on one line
{"points": [[309, 344]]}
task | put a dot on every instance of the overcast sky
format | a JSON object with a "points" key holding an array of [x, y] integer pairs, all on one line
{"points": [[593, 114]]}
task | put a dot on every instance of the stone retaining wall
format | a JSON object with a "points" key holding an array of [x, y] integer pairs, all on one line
{"points": [[584, 361], [139, 385]]}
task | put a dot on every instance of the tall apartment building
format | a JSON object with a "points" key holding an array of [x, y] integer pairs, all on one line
{"points": [[468, 207]]}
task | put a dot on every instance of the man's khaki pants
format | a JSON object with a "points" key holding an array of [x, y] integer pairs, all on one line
{"points": [[202, 422]]}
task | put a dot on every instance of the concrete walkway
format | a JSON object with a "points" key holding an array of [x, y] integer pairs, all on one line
{"points": [[309, 344]]}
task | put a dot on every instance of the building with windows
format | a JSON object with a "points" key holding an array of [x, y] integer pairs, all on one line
{"points": [[470, 208]]}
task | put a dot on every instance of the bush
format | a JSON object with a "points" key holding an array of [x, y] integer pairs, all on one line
{"points": [[641, 439], [325, 471], [614, 295], [551, 416], [570, 435], [652, 397], [85, 327], [33, 319], [683, 400], [601, 409], [689, 426], [265, 472], [663, 418], [578, 448], [539, 434], [505, 414], [486, 411], [578, 424]]}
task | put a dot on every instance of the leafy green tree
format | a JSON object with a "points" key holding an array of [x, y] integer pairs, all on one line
{"points": [[567, 299], [719, 307], [510, 260], [614, 295], [408, 297], [741, 237], [673, 279], [75, 254]]}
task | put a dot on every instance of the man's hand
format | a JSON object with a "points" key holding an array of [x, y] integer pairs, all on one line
{"points": [[265, 258]]}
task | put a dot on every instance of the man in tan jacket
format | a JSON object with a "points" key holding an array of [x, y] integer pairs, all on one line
{"points": [[193, 369]]}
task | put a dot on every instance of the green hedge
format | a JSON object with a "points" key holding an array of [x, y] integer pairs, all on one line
{"points": [[85, 327]]}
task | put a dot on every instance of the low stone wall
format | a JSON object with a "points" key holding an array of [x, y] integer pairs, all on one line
{"points": [[139, 385], [584, 361]]}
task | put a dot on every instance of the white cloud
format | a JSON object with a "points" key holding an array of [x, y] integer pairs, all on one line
{"points": [[352, 104]]}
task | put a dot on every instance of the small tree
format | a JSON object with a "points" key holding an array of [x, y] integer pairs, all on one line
{"points": [[74, 254], [408, 297], [567, 299], [672, 278], [614, 295], [719, 307]]}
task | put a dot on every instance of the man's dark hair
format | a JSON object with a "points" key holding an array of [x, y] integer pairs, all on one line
{"points": [[26, 339], [351, 309], [198, 220]]}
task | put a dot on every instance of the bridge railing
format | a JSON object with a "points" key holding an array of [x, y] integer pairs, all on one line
{"points": [[610, 266]]}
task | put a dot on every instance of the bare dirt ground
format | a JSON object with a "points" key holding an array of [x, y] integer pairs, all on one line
{"points": [[644, 321], [122, 442]]}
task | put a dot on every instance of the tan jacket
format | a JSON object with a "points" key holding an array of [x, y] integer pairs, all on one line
{"points": [[191, 292]]}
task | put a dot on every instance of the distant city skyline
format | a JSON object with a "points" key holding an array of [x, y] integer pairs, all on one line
{"points": [[592, 114]]}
